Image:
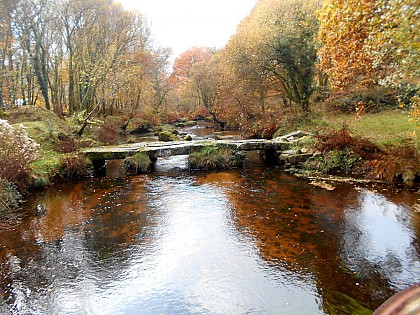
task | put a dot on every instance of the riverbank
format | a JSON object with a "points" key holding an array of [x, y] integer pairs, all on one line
{"points": [[388, 151]]}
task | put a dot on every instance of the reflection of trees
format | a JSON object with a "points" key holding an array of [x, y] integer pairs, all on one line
{"points": [[377, 243], [119, 218], [81, 231], [302, 228], [87, 236]]}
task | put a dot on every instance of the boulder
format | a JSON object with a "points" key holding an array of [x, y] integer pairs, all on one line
{"points": [[293, 136], [167, 136]]}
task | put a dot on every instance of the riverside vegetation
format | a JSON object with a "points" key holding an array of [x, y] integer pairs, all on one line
{"points": [[40, 148]]}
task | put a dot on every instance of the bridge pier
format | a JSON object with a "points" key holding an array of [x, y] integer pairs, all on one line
{"points": [[270, 156], [99, 168]]}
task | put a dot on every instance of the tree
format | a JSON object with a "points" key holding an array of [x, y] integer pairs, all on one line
{"points": [[269, 62], [77, 55], [40, 15], [293, 53], [394, 40], [243, 88], [182, 76], [204, 87], [369, 42], [72, 18], [184, 63], [6, 41]]}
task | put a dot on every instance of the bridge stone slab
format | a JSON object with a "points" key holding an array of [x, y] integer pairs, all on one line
{"points": [[156, 149]]}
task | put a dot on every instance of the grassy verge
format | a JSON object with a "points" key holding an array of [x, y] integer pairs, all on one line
{"points": [[389, 127], [214, 158]]}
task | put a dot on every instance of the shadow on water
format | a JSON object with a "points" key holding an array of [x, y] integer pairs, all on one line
{"points": [[237, 242]]}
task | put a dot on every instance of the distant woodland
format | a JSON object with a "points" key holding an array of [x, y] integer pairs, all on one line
{"points": [[287, 56]]}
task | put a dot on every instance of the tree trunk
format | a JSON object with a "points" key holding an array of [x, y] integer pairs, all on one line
{"points": [[222, 124], [72, 105], [85, 121], [41, 72]]}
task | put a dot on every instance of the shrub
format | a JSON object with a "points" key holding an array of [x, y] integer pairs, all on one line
{"points": [[335, 162], [397, 164], [108, 134], [262, 129], [10, 200], [139, 163], [372, 100], [86, 143], [341, 140], [342, 152], [17, 151], [66, 145], [74, 166], [10, 197], [212, 157]]}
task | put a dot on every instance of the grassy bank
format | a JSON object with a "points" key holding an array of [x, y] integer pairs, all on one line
{"points": [[388, 127], [382, 145]]}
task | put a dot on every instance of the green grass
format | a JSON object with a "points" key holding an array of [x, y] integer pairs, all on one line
{"points": [[213, 157], [45, 168], [139, 163], [389, 127], [47, 164], [41, 132]]}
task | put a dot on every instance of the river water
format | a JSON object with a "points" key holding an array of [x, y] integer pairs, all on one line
{"points": [[250, 241]]}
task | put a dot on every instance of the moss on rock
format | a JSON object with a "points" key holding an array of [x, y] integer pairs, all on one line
{"points": [[215, 158], [167, 136], [139, 163]]}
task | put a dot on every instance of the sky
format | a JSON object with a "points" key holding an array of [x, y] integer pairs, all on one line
{"points": [[183, 24]]}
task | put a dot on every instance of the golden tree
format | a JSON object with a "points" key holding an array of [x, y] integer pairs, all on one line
{"points": [[369, 42]]}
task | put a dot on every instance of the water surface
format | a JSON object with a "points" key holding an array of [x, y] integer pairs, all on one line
{"points": [[254, 241]]}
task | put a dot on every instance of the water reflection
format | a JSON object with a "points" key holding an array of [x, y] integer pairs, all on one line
{"points": [[241, 242], [309, 231], [378, 234]]}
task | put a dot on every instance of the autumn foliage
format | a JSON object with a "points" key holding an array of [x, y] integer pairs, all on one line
{"points": [[348, 153], [397, 164], [342, 139], [93, 56], [369, 42]]}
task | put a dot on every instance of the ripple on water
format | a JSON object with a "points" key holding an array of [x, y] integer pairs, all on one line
{"points": [[237, 242]]}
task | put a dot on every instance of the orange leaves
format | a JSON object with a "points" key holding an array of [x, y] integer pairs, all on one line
{"points": [[343, 32], [184, 63], [368, 42]]}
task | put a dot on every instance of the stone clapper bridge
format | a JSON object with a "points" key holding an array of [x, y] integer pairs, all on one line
{"points": [[279, 149]]}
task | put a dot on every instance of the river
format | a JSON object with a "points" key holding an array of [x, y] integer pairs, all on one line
{"points": [[250, 241]]}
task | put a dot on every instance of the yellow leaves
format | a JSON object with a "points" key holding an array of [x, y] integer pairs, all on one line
{"points": [[369, 41], [343, 35], [414, 113]]}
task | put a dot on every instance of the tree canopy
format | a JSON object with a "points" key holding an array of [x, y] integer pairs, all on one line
{"points": [[369, 42], [74, 55], [92, 55]]}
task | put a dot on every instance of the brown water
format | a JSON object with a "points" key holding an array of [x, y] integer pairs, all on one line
{"points": [[255, 241]]}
